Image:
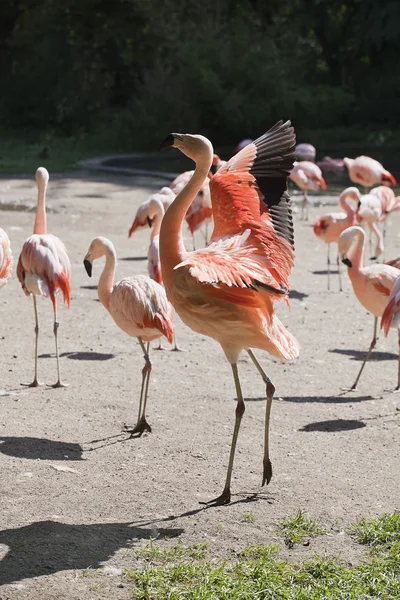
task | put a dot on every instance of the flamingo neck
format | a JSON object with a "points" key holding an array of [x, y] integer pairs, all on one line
{"points": [[172, 249], [356, 252], [40, 226], [345, 206], [158, 215], [106, 281]]}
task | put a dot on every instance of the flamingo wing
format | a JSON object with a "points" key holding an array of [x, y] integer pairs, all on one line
{"points": [[391, 314], [232, 262], [5, 258], [250, 192]]}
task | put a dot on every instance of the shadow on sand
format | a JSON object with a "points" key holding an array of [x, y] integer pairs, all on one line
{"points": [[40, 448], [334, 425]]}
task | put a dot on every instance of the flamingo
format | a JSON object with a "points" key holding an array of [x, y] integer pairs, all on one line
{"points": [[391, 318], [305, 152], [368, 172], [226, 290], [307, 176], [329, 227], [389, 203], [165, 195], [370, 211], [44, 269], [138, 306], [5, 258], [372, 285]]}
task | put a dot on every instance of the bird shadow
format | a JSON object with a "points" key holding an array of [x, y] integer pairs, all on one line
{"points": [[325, 399], [40, 448], [46, 547], [332, 271], [334, 425], [135, 258], [295, 295], [91, 196], [360, 354], [88, 287], [82, 355]]}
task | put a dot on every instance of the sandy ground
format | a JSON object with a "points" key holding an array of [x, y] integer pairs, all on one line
{"points": [[335, 455]]}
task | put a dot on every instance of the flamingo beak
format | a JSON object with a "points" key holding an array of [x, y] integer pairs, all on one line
{"points": [[168, 142], [88, 266], [347, 262], [149, 222]]}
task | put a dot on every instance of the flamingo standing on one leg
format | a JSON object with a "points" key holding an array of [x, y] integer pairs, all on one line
{"points": [[307, 176], [44, 268], [329, 227], [139, 307], [226, 291], [372, 285], [367, 172], [391, 318], [5, 258]]}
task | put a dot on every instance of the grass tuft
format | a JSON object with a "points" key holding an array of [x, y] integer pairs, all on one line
{"points": [[383, 531], [296, 528]]}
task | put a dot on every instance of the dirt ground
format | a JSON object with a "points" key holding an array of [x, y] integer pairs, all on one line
{"points": [[335, 455]]}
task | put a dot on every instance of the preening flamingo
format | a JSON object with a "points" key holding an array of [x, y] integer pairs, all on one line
{"points": [[372, 285], [5, 258], [165, 195], [226, 290], [391, 318], [138, 306], [307, 176], [44, 268], [329, 227], [305, 152], [367, 172]]}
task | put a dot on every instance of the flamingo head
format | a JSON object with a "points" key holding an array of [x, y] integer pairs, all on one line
{"points": [[196, 147], [99, 247], [345, 243]]}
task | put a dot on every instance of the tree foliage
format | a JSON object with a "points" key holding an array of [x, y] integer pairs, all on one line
{"points": [[227, 68]]}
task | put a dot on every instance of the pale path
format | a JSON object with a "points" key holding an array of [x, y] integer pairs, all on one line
{"points": [[122, 492]]}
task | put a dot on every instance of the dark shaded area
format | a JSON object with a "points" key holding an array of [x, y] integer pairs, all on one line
{"points": [[40, 448], [334, 425], [88, 287], [360, 354], [341, 399], [135, 258], [134, 71], [333, 272], [47, 547], [82, 355], [295, 295]]}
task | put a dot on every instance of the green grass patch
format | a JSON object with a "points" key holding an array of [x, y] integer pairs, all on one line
{"points": [[383, 531], [258, 572], [297, 528]]}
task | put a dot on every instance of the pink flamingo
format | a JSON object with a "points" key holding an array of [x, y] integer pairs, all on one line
{"points": [[307, 176], [391, 318], [165, 195], [138, 306], [329, 227], [367, 172], [389, 202], [226, 290], [370, 211], [5, 258], [371, 285], [44, 268], [305, 152]]}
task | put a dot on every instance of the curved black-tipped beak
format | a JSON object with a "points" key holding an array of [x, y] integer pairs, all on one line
{"points": [[88, 266], [168, 142], [149, 222], [347, 262], [373, 258]]}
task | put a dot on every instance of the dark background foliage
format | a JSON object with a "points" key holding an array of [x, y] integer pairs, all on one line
{"points": [[136, 69]]}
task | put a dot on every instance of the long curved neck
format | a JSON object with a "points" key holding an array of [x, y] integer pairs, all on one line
{"points": [[356, 252], [40, 226], [172, 249], [352, 194], [106, 281], [158, 214]]}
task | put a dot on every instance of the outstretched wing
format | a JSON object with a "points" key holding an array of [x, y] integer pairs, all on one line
{"points": [[250, 192], [233, 263]]}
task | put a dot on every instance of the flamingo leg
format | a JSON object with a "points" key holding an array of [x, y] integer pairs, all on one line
{"points": [[35, 382], [194, 245], [206, 233], [142, 424], [55, 331], [176, 347], [304, 207], [267, 466], [371, 347], [225, 497], [328, 264], [339, 272]]}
